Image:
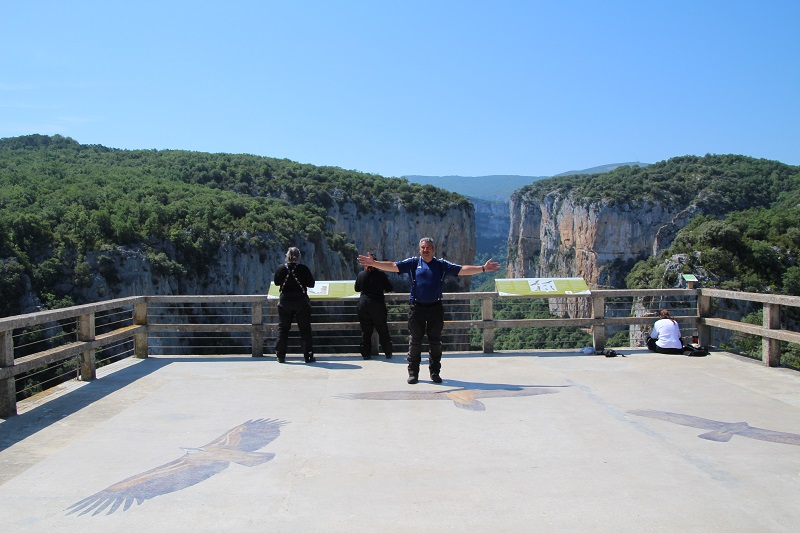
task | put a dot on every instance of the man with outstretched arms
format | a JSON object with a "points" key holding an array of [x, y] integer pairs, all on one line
{"points": [[426, 313]]}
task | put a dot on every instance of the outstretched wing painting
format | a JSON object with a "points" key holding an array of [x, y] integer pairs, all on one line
{"points": [[238, 445]]}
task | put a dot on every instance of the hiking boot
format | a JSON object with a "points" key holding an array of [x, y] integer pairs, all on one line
{"points": [[412, 378], [435, 378]]}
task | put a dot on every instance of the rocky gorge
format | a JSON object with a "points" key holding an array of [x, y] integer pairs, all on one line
{"points": [[243, 269], [559, 235]]}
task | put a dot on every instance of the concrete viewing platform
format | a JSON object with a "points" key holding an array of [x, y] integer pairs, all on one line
{"points": [[513, 441]]}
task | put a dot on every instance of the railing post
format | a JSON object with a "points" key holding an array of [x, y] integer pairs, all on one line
{"points": [[703, 311], [487, 313], [598, 330], [8, 389], [88, 365], [257, 333], [771, 348], [140, 346], [271, 327]]}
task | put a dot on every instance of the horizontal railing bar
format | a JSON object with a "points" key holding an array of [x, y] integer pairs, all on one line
{"points": [[67, 351], [753, 329], [638, 293], [201, 328], [34, 361], [639, 320], [208, 298], [782, 299], [449, 324], [41, 317]]}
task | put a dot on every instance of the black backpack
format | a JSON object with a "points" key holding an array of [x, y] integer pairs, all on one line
{"points": [[695, 351]]}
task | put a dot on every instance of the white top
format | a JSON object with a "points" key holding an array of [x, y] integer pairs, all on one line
{"points": [[667, 333]]}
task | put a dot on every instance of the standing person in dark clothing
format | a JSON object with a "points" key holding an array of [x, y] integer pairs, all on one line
{"points": [[294, 279], [372, 313], [426, 314]]}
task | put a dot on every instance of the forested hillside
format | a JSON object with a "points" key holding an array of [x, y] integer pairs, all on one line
{"points": [[599, 226], [753, 250], [749, 238], [61, 201], [723, 183]]}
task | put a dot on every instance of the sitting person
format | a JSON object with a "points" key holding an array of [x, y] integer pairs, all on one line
{"points": [[666, 335]]}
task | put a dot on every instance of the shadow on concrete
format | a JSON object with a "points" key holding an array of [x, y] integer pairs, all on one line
{"points": [[17, 428]]}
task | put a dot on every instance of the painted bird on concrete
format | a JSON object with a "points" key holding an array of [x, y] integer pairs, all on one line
{"points": [[721, 431], [238, 445], [461, 398]]}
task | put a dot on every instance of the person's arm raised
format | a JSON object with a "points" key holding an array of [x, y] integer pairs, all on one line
{"points": [[387, 266], [470, 270]]}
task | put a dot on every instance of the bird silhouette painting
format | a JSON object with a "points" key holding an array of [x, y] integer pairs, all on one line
{"points": [[462, 398], [238, 445], [721, 431]]}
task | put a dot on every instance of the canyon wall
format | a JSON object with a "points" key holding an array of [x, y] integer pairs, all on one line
{"points": [[492, 224], [557, 235], [242, 269]]}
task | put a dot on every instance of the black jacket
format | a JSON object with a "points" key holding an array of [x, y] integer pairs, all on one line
{"points": [[372, 283], [288, 275]]}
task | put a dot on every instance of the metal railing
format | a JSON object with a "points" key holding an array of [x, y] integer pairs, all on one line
{"points": [[35, 345]]}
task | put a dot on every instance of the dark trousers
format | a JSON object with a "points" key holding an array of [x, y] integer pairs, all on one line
{"points": [[653, 347], [372, 317], [292, 309], [425, 320]]}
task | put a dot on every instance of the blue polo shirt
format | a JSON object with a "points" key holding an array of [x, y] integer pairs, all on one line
{"points": [[427, 278]]}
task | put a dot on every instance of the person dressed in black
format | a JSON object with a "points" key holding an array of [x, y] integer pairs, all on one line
{"points": [[372, 313], [294, 279]]}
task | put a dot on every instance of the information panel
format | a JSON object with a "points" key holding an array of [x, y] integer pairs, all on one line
{"points": [[541, 286], [324, 289]]}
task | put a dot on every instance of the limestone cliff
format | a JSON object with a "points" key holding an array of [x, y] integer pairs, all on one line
{"points": [[242, 269], [561, 236], [492, 223], [394, 234]]}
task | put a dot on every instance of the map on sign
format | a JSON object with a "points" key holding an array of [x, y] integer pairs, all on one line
{"points": [[541, 286], [324, 289]]}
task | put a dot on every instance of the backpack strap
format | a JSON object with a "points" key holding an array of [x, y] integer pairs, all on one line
{"points": [[414, 275], [414, 280], [291, 271]]}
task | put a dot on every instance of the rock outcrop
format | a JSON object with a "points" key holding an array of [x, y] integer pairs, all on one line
{"points": [[492, 224], [557, 235], [242, 269]]}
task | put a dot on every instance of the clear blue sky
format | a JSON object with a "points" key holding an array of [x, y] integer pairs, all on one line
{"points": [[414, 87]]}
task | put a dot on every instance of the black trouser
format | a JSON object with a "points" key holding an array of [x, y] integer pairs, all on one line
{"points": [[425, 320], [291, 308], [372, 316], [653, 347]]}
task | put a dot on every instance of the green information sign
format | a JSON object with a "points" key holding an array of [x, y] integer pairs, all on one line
{"points": [[324, 289], [541, 286]]}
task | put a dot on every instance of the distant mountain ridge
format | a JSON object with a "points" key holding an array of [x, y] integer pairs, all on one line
{"points": [[494, 188], [603, 168], [499, 187]]}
